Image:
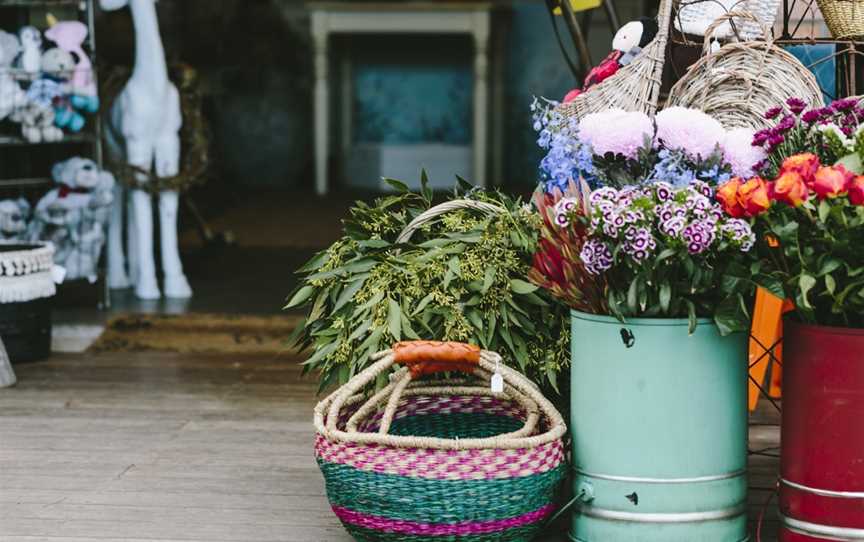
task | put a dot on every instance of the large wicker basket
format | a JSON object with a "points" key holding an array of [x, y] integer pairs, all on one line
{"points": [[845, 18], [634, 87], [425, 459], [742, 80]]}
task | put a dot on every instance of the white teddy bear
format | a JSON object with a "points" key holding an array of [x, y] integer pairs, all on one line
{"points": [[74, 216], [12, 96], [13, 219]]}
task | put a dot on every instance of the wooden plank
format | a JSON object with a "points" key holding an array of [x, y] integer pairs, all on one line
{"points": [[147, 447]]}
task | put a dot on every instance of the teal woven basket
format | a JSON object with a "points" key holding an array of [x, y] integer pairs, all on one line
{"points": [[426, 459]]}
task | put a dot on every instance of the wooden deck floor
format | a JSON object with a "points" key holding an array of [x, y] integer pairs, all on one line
{"points": [[166, 447]]}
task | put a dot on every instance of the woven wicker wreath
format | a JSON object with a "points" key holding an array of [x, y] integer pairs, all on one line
{"points": [[742, 80]]}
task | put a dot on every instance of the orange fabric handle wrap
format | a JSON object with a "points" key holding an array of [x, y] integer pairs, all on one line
{"points": [[429, 357]]}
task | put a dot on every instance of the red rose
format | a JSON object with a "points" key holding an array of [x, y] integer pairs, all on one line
{"points": [[856, 190], [805, 164], [789, 188], [830, 182], [753, 196], [727, 195]]}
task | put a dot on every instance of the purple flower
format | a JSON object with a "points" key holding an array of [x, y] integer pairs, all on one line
{"points": [[673, 226], [844, 105], [639, 244], [796, 105], [739, 233], [785, 125], [810, 117], [596, 256], [773, 112], [663, 191], [760, 137], [701, 187], [698, 236]]}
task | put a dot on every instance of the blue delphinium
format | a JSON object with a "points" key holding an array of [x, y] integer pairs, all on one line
{"points": [[675, 168], [566, 158]]}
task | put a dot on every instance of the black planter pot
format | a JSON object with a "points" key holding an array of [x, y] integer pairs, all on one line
{"points": [[26, 329]]}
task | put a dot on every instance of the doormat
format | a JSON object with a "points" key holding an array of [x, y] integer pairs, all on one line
{"points": [[211, 333]]}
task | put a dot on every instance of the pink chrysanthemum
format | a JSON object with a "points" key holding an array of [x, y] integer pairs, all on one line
{"points": [[689, 130], [739, 152], [616, 131]]}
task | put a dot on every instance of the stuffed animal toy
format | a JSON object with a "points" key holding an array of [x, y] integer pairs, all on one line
{"points": [[31, 55], [69, 36], [13, 219], [55, 85], [74, 215], [626, 45], [37, 123], [11, 94]]}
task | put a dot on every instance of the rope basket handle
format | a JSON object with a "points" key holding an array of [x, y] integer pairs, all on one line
{"points": [[434, 212], [728, 17], [517, 387]]}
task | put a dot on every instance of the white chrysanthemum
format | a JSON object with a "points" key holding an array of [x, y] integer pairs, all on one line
{"points": [[739, 152], [690, 130], [616, 131]]}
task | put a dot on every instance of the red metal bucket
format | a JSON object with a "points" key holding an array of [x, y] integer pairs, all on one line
{"points": [[822, 466]]}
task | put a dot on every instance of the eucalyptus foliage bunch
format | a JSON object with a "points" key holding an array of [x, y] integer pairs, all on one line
{"points": [[461, 277]]}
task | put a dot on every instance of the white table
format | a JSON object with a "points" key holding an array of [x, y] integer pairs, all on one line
{"points": [[328, 18]]}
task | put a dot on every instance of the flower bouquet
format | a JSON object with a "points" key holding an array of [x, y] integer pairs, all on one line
{"points": [[807, 210], [649, 240], [659, 281]]}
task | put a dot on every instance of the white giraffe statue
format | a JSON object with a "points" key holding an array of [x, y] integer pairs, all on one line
{"points": [[143, 129]]}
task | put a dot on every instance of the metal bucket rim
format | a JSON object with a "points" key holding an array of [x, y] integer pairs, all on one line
{"points": [[642, 321], [816, 329]]}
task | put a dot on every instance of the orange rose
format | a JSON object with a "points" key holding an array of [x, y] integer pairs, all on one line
{"points": [[753, 196], [805, 164], [856, 190], [830, 182], [789, 188], [727, 195]]}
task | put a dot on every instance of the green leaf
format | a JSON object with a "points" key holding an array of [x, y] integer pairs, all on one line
{"points": [[373, 243], [633, 296], [665, 297], [806, 283], [463, 185], [348, 293], [315, 262], [454, 265], [300, 296], [772, 284], [824, 210], [691, 316], [829, 265], [488, 278], [522, 287], [394, 319], [407, 329], [830, 284], [424, 186], [666, 253], [422, 305], [398, 185]]}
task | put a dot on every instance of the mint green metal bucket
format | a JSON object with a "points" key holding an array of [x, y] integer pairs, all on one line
{"points": [[659, 423]]}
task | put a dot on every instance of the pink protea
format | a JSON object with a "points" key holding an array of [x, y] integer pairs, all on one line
{"points": [[616, 131], [739, 152], [690, 130]]}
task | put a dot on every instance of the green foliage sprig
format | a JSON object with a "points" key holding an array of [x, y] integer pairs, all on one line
{"points": [[462, 277]]}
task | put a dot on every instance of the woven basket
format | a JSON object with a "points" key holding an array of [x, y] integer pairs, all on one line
{"points": [[693, 15], [425, 459], [634, 87], [742, 80], [845, 18]]}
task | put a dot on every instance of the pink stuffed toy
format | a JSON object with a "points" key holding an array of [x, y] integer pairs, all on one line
{"points": [[70, 36]]}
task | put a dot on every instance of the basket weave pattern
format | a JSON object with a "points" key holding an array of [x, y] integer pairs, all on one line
{"points": [[634, 87], [742, 80], [425, 459], [845, 18]]}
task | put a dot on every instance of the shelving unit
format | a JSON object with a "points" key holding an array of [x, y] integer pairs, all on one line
{"points": [[25, 167]]}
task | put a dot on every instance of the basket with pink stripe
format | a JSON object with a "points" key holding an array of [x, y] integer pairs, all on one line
{"points": [[444, 451]]}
